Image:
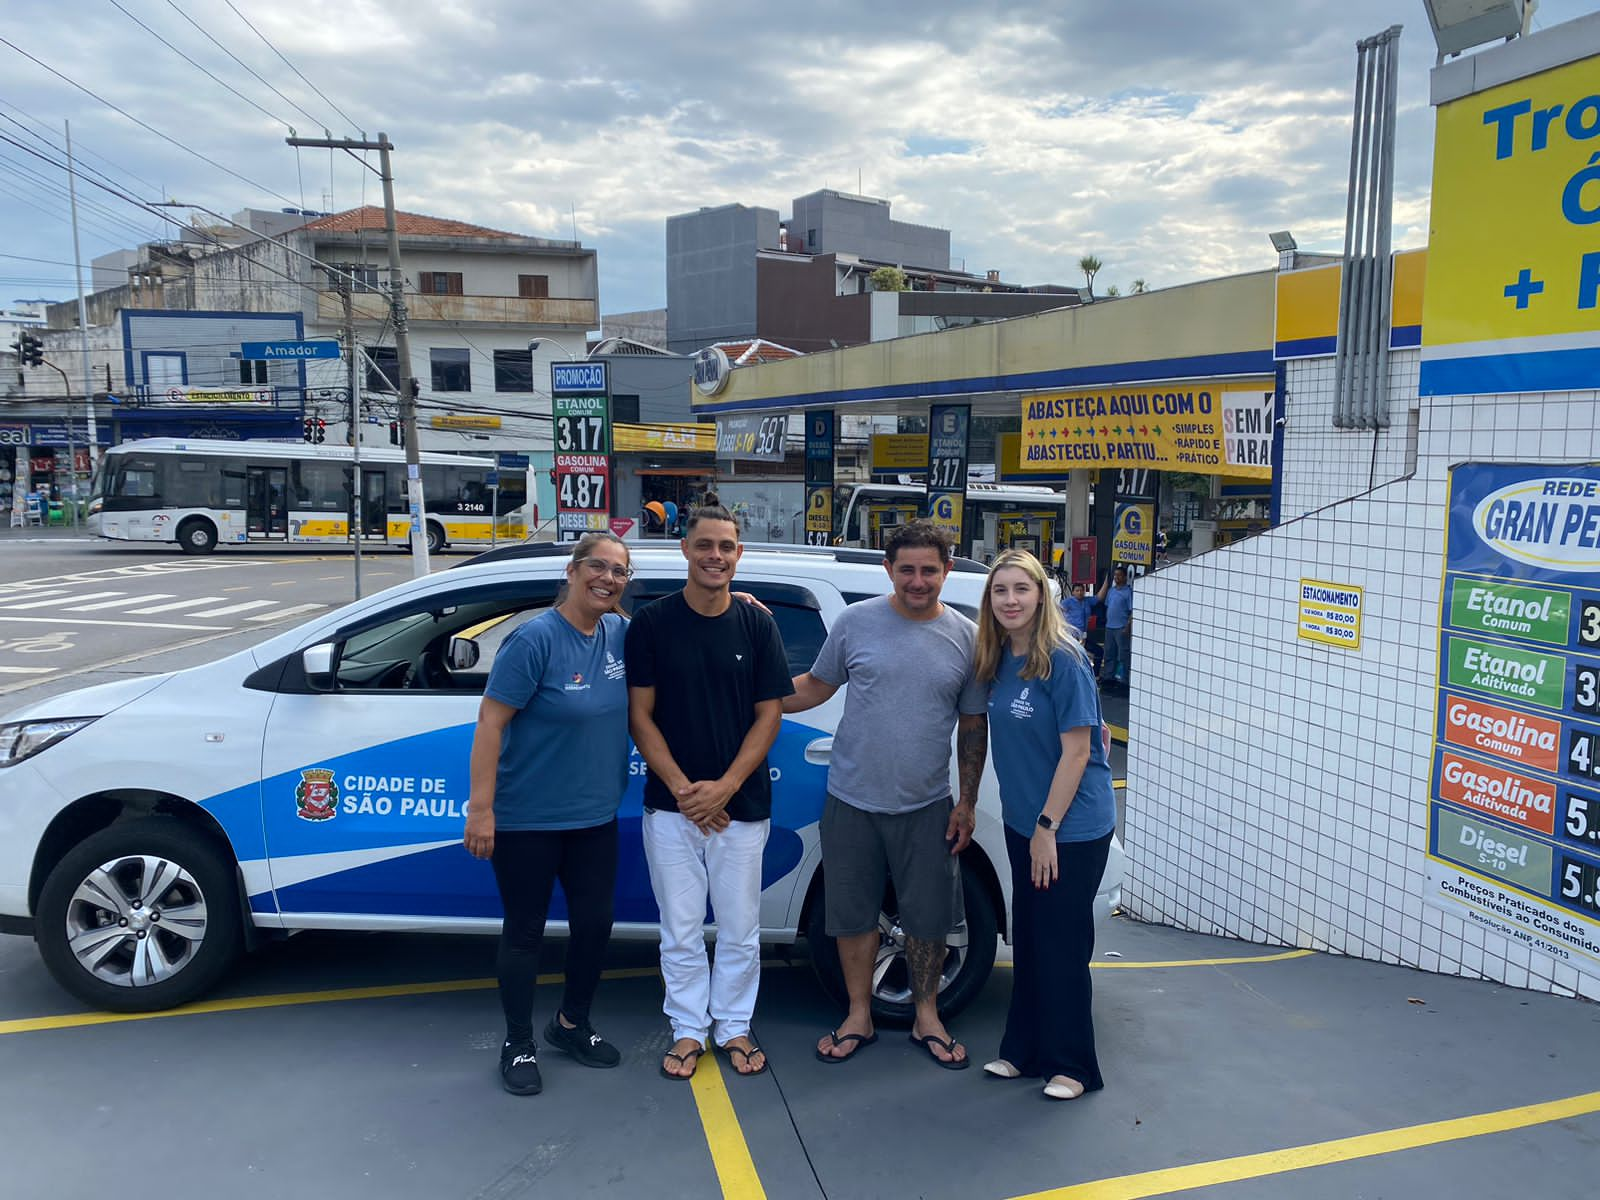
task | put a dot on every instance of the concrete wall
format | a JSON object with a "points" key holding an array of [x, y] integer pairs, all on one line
{"points": [[834, 222], [661, 384], [797, 304], [711, 273]]}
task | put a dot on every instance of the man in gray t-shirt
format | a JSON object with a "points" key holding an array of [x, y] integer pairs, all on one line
{"points": [[908, 659]]}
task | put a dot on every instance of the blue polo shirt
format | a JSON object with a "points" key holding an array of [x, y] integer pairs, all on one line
{"points": [[564, 760], [1026, 720], [1119, 605], [1077, 612]]}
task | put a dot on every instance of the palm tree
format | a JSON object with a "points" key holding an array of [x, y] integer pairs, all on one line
{"points": [[1090, 266], [1113, 291], [1138, 287]]}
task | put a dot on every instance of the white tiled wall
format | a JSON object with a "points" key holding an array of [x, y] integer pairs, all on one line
{"points": [[1334, 464], [1278, 790]]}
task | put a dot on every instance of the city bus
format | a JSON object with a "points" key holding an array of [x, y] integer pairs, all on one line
{"points": [[199, 493], [998, 516]]}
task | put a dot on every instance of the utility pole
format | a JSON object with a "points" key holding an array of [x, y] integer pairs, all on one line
{"points": [[358, 497], [83, 320], [402, 338]]}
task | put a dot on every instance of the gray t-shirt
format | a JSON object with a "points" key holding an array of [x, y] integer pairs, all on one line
{"points": [[908, 679]]}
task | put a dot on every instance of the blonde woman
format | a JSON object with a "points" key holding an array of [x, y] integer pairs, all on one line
{"points": [[1059, 813]]}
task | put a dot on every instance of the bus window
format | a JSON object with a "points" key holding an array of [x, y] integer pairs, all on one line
{"points": [[319, 486]]}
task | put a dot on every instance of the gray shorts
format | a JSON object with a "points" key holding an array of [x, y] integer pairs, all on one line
{"points": [[862, 851]]}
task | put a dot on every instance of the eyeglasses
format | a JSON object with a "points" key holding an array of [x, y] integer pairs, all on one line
{"points": [[598, 566]]}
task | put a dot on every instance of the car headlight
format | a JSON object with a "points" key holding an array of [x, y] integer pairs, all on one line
{"points": [[24, 739]]}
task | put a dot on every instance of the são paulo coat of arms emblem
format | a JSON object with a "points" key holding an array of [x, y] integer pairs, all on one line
{"points": [[316, 796]]}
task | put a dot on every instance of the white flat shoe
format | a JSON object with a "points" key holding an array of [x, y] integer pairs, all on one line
{"points": [[1001, 1069], [1062, 1087]]}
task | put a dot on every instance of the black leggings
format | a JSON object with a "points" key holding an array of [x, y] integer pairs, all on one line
{"points": [[527, 862]]}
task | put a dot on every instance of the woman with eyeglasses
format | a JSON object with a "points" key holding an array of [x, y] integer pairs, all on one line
{"points": [[549, 766]]}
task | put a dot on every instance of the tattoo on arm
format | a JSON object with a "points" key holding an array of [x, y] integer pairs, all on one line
{"points": [[924, 963], [972, 748]]}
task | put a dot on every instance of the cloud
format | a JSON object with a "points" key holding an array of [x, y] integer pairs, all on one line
{"points": [[1165, 136]]}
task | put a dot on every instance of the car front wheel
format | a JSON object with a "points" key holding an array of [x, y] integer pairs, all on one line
{"points": [[142, 916], [969, 956]]}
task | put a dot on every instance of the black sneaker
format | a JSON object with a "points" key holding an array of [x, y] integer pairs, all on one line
{"points": [[583, 1043], [519, 1069]]}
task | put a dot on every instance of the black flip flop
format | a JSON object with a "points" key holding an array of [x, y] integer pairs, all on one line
{"points": [[682, 1058], [747, 1055], [834, 1060], [952, 1064]]}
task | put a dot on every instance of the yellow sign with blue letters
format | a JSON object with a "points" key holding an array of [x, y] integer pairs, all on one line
{"points": [[1134, 539], [1514, 252]]}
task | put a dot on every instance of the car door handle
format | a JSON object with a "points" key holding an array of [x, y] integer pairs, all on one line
{"points": [[819, 752]]}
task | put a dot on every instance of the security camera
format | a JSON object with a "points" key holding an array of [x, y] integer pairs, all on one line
{"points": [[534, 344]]}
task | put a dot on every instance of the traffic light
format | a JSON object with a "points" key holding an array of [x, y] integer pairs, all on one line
{"points": [[30, 350], [316, 430], [397, 433]]}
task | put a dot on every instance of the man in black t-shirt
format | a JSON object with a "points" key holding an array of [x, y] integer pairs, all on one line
{"points": [[706, 681]]}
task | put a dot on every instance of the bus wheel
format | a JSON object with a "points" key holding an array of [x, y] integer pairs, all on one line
{"points": [[435, 537], [197, 536]]}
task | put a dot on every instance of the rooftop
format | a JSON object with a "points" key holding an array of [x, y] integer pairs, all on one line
{"points": [[370, 217]]}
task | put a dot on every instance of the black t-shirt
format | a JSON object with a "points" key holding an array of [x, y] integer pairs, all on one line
{"points": [[709, 673]]}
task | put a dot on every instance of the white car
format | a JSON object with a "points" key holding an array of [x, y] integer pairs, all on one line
{"points": [[152, 829]]}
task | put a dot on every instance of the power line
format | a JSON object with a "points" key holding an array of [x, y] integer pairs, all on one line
{"points": [[348, 118], [82, 149], [265, 83], [228, 86], [211, 162]]}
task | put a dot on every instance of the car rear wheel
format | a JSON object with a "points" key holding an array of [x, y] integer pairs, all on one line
{"points": [[969, 957], [143, 915]]}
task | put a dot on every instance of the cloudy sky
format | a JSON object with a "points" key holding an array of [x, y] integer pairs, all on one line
{"points": [[1169, 137]]}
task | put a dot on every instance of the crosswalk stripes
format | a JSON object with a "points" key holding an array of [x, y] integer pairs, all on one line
{"points": [[65, 603]]}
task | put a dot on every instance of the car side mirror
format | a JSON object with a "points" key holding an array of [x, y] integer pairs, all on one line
{"points": [[317, 662], [463, 654]]}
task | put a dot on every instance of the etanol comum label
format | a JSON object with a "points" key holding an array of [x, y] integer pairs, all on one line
{"points": [[1488, 606]]}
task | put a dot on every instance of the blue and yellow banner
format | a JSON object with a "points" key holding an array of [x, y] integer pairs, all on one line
{"points": [[1514, 257], [1307, 313]]}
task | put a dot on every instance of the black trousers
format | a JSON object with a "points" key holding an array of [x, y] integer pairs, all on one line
{"points": [[527, 863], [1050, 1028]]}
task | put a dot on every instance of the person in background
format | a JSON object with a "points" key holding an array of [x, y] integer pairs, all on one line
{"points": [[548, 768], [1059, 812], [1116, 593], [1077, 608]]}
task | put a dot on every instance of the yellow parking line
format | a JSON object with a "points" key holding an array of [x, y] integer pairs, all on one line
{"points": [[1296, 1158], [1119, 733], [1119, 784], [1118, 964], [285, 1000], [730, 1153]]}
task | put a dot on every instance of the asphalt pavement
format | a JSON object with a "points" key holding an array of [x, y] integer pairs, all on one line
{"points": [[76, 611]]}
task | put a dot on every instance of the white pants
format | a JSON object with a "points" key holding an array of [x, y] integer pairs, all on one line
{"points": [[685, 867]]}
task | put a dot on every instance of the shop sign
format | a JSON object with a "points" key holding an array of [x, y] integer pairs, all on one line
{"points": [[1513, 265], [752, 438], [663, 439], [1514, 800], [464, 421], [1330, 613], [13, 435], [196, 395], [711, 370], [896, 452], [1204, 426], [58, 435], [581, 411], [1134, 539], [819, 477]]}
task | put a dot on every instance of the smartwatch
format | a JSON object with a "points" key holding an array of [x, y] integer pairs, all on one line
{"points": [[1047, 824]]}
